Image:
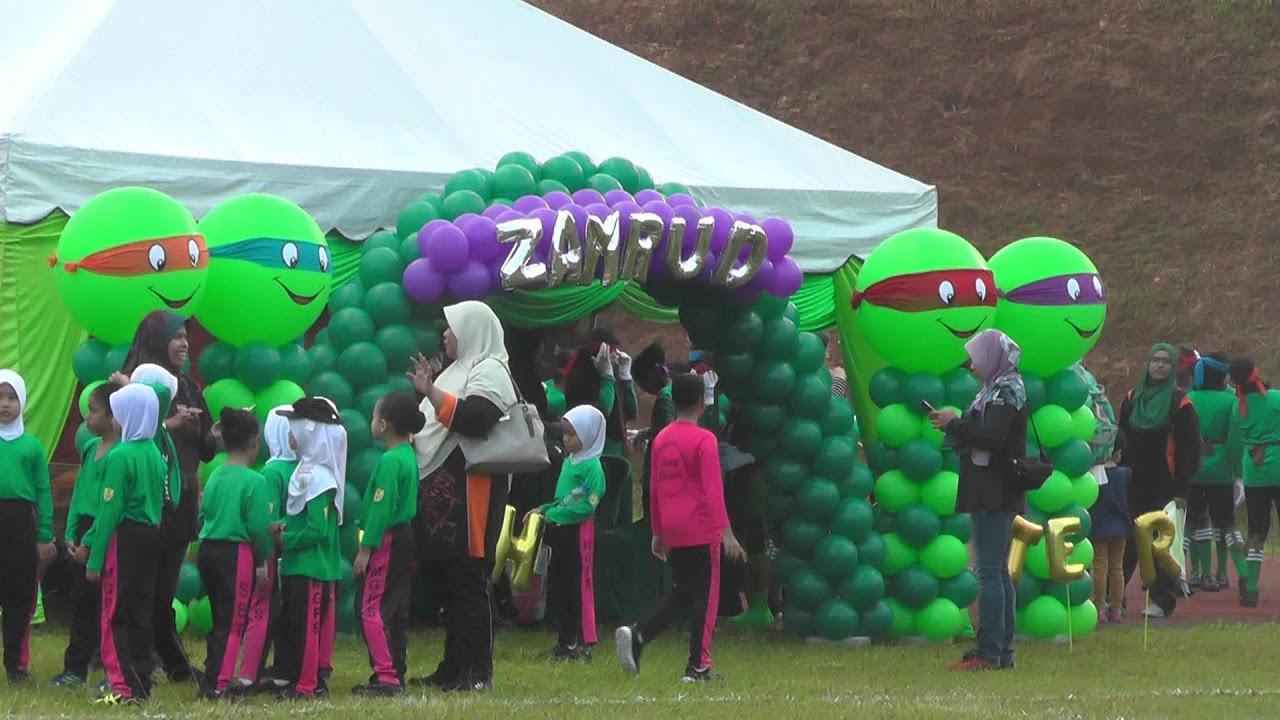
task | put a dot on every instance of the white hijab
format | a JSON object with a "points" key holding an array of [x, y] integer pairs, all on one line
{"points": [[13, 430], [473, 372], [322, 464], [588, 423], [277, 436], [152, 374], [137, 408]]}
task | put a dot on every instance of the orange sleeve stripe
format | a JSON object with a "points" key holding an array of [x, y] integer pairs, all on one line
{"points": [[444, 413], [477, 513]]}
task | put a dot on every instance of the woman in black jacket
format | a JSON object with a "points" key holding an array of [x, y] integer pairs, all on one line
{"points": [[990, 435]]}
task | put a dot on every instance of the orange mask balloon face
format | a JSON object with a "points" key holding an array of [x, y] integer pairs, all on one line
{"points": [[146, 257]]}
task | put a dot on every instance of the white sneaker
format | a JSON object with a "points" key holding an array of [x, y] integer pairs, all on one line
{"points": [[1153, 611]]}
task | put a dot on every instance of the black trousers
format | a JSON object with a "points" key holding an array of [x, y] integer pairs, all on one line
{"points": [[170, 555], [17, 579], [566, 573], [227, 570], [1213, 503], [304, 602], [86, 618], [695, 586], [468, 638], [128, 591], [382, 604], [1164, 591]]}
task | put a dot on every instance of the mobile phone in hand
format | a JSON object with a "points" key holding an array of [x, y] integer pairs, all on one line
{"points": [[924, 405]]}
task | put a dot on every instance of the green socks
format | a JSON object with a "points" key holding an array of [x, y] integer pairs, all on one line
{"points": [[1202, 553], [757, 616]]}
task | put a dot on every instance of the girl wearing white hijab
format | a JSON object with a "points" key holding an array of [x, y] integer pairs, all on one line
{"points": [[571, 531], [460, 515], [26, 523], [122, 543], [311, 561], [264, 605]]}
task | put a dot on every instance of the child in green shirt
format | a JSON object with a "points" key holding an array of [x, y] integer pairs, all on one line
{"points": [[234, 546], [571, 531], [311, 560], [26, 521], [386, 544]]}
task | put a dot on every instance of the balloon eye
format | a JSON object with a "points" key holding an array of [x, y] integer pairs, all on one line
{"points": [[1097, 285], [193, 252], [289, 253], [1073, 289], [981, 286], [156, 257], [947, 292], [324, 259]]}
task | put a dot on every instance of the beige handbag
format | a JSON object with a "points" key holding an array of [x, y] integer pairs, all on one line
{"points": [[515, 446]]}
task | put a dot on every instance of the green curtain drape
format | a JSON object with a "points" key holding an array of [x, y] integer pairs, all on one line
{"points": [[860, 361], [37, 335], [346, 257]]}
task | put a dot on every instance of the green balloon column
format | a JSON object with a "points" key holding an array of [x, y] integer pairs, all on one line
{"points": [[1053, 305], [919, 297]]}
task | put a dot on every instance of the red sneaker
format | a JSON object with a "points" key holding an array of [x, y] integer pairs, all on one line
{"points": [[974, 663]]}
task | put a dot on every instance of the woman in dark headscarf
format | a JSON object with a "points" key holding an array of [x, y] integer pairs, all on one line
{"points": [[162, 340]]}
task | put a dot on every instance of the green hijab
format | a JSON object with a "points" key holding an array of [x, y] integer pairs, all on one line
{"points": [[1153, 400]]}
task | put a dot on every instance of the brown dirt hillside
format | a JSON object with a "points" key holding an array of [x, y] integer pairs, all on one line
{"points": [[1146, 131]]}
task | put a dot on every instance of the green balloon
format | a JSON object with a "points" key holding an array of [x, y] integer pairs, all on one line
{"points": [[148, 276], [852, 519], [1083, 554], [87, 363], [886, 387], [1084, 618], [818, 499], [409, 250], [897, 425], [1078, 590], [400, 384], [943, 316], [270, 271], [114, 360], [331, 385], [295, 363], [917, 525], [603, 183], [940, 620], [772, 381], [1067, 389], [323, 358], [781, 341], [381, 265], [1073, 458], [358, 433], [945, 556], [1053, 331], [839, 419], [257, 365], [584, 162], [835, 558], [798, 622], [916, 587], [784, 565], [387, 304], [564, 170], [457, 204], [898, 555], [873, 551], [408, 223], [645, 181], [398, 345], [190, 585], [810, 353], [835, 457], [885, 521], [348, 327], [505, 202], [384, 238], [200, 616], [895, 491], [922, 387], [430, 198], [734, 367], [179, 616], [811, 397], [920, 460], [881, 458], [931, 434], [473, 181], [785, 476], [522, 159], [367, 399], [771, 306], [742, 332], [352, 506], [807, 590], [361, 466], [1028, 589], [864, 588], [801, 536], [216, 362], [348, 539], [546, 187], [280, 392], [623, 170], [349, 295], [1084, 490], [857, 483], [763, 417], [792, 313], [1055, 494], [230, 393], [938, 493], [877, 622], [428, 341], [836, 619], [951, 460], [800, 439], [673, 188], [363, 364], [1037, 394], [1037, 562], [1083, 424], [514, 181], [1053, 424], [958, 526], [1044, 618], [960, 387], [84, 396], [961, 589]]}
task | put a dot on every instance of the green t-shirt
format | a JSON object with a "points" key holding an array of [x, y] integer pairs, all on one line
{"points": [[578, 492], [311, 546], [87, 493], [1215, 408], [1261, 429], [277, 473], [391, 498], [24, 475], [236, 508], [132, 489]]}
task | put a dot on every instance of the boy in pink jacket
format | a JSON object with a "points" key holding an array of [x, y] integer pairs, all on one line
{"points": [[690, 527]]}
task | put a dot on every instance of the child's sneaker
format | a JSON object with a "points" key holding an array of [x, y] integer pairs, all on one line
{"points": [[17, 677], [1102, 616], [1224, 583], [377, 689], [1249, 598], [1114, 616], [1195, 582], [565, 653], [630, 645], [66, 679], [695, 675]]}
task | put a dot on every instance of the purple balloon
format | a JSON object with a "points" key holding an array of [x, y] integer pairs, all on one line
{"points": [[664, 211], [547, 217], [462, 220], [786, 279], [426, 231], [614, 197], [579, 214], [644, 197], [509, 215], [447, 248], [587, 196], [598, 209], [724, 225], [745, 294], [763, 277], [713, 262], [529, 203], [422, 282], [681, 200], [471, 282], [482, 234], [744, 217], [780, 235], [557, 199], [493, 211], [495, 276]]}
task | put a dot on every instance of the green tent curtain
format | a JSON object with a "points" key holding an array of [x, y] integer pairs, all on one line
{"points": [[860, 361], [37, 334]]}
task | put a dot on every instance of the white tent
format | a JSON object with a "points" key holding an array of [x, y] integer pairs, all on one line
{"points": [[351, 108]]}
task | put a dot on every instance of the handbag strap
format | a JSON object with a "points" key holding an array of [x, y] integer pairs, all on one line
{"points": [[1036, 432], [514, 385]]}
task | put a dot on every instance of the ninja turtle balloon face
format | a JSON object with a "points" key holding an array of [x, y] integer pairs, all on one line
{"points": [[126, 253], [270, 271], [1052, 302], [920, 296]]}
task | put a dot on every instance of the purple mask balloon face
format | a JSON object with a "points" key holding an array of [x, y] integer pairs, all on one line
{"points": [[1060, 290]]}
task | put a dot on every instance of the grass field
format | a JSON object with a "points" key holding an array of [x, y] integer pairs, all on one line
{"points": [[1220, 671]]}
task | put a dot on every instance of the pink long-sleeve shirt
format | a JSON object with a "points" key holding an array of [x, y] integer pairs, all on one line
{"points": [[687, 490]]}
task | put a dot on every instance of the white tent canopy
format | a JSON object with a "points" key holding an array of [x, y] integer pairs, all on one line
{"points": [[351, 108]]}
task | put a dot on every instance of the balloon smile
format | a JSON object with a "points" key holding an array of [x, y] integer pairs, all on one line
{"points": [[299, 299], [174, 304], [962, 334], [1086, 334]]}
